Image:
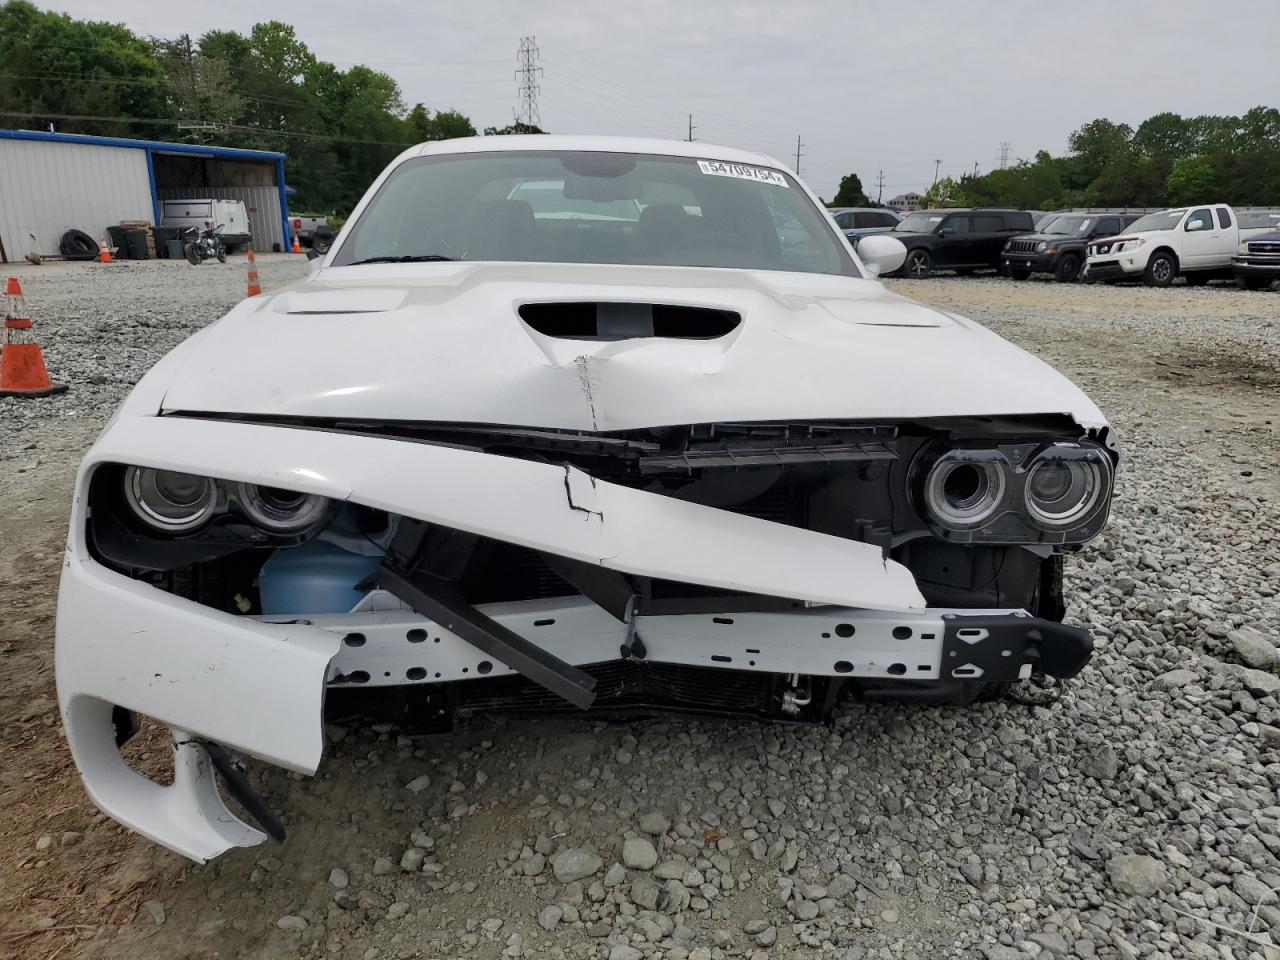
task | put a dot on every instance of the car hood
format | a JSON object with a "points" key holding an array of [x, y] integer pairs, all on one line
{"points": [[1047, 237], [445, 343]]}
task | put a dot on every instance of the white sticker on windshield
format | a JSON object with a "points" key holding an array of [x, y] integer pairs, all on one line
{"points": [[718, 168]]}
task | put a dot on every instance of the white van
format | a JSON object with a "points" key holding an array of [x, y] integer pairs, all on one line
{"points": [[207, 212]]}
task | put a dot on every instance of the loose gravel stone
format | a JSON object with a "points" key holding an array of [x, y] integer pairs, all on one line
{"points": [[639, 854], [575, 863], [1135, 874]]}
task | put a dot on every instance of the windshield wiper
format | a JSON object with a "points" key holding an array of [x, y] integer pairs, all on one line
{"points": [[409, 258]]}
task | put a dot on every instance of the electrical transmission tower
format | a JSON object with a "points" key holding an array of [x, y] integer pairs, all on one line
{"points": [[1004, 155], [527, 73]]}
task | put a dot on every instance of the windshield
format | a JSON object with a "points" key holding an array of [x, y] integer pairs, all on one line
{"points": [[919, 223], [1068, 226], [586, 207], [1156, 221]]}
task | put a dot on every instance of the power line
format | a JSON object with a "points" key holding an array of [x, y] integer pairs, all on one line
{"points": [[528, 72]]}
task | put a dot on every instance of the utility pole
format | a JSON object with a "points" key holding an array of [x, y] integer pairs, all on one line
{"points": [[975, 168], [880, 186], [527, 73], [798, 154], [1004, 155], [691, 128], [937, 165]]}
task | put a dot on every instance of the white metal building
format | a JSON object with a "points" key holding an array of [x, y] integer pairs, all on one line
{"points": [[53, 182]]}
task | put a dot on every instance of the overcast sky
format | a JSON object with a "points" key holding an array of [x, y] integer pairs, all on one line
{"points": [[867, 86]]}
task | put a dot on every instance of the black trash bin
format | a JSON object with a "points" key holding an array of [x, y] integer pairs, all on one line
{"points": [[163, 235], [136, 241], [116, 241]]}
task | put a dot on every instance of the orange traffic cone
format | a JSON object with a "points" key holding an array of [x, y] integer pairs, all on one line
{"points": [[297, 247], [22, 369], [104, 255], [255, 287]]}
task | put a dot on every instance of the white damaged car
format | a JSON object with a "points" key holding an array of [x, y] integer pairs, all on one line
{"points": [[563, 422]]}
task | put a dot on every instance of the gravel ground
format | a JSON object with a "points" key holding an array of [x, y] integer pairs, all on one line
{"points": [[1136, 816]]}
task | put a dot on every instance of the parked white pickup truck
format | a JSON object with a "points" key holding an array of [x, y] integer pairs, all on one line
{"points": [[1196, 242]]}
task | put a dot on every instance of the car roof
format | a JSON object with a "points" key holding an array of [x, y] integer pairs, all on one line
{"points": [[553, 142]]}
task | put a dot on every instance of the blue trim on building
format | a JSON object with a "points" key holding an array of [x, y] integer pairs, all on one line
{"points": [[284, 206], [155, 194], [195, 149]]}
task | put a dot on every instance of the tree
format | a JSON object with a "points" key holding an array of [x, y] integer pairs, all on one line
{"points": [[945, 193], [850, 193], [1192, 180], [516, 127], [1097, 144], [56, 68], [445, 125]]}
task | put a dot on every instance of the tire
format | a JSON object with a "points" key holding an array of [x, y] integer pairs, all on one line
{"points": [[1162, 269], [1019, 273], [222, 254], [321, 244], [78, 245], [193, 255], [918, 265], [1196, 279], [1253, 283], [1068, 269]]}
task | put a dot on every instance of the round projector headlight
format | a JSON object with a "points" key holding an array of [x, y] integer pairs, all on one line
{"points": [[1062, 493], [281, 511], [169, 501], [964, 493]]}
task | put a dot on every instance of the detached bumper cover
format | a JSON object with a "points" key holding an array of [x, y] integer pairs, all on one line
{"points": [[256, 685]]}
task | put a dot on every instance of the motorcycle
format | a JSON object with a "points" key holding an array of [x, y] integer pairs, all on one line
{"points": [[206, 246]]}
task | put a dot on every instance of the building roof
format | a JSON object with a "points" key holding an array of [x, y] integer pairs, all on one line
{"points": [[157, 146]]}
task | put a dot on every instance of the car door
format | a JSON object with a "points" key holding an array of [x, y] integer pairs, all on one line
{"points": [[1200, 239], [1105, 227], [1228, 236], [953, 243], [986, 240]]}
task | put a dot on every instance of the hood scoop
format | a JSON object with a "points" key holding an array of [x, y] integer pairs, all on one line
{"points": [[610, 321]]}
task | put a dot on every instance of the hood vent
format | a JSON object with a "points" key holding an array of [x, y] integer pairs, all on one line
{"points": [[627, 321]]}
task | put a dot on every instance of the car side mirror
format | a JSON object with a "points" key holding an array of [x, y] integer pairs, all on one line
{"points": [[881, 254], [1194, 225]]}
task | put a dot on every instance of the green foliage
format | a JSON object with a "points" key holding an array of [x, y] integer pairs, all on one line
{"points": [[263, 91], [1169, 159], [945, 193], [850, 193], [516, 127]]}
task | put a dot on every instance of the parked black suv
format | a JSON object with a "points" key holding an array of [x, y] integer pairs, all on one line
{"points": [[963, 240], [1059, 247]]}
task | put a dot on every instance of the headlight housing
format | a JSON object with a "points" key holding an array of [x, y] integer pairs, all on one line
{"points": [[1128, 246], [1056, 493], [280, 511], [1041, 247], [1243, 247], [182, 505], [169, 501]]}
